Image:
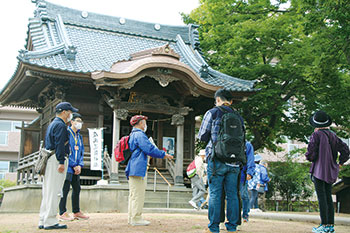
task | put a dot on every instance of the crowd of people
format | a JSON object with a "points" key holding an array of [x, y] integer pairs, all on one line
{"points": [[227, 170], [325, 150]]}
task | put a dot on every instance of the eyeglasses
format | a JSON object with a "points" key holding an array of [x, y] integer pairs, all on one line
{"points": [[79, 121]]}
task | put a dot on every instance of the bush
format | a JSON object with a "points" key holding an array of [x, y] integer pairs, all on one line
{"points": [[5, 184], [290, 180], [344, 171]]}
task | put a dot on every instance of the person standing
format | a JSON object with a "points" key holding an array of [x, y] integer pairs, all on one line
{"points": [[136, 169], [322, 151], [254, 184], [56, 140], [75, 163], [221, 175], [246, 174], [197, 183], [264, 179]]}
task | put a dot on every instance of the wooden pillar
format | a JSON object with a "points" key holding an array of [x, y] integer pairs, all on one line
{"points": [[179, 121], [118, 114], [160, 162]]}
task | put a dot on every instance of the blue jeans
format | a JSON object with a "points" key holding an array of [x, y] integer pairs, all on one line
{"points": [[227, 177], [245, 198], [253, 199]]}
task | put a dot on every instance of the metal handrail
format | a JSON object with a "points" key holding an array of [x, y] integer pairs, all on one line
{"points": [[155, 182]]}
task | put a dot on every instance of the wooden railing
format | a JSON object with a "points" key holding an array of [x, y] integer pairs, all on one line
{"points": [[25, 171], [107, 162], [170, 165]]}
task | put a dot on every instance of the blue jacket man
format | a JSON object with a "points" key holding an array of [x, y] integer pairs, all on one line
{"points": [[246, 174], [76, 157], [136, 169], [264, 176], [75, 163], [223, 176]]}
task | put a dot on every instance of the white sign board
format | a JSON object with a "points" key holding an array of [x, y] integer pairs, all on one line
{"points": [[95, 138]]}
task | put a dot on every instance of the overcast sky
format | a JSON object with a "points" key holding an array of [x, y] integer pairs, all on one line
{"points": [[15, 13]]}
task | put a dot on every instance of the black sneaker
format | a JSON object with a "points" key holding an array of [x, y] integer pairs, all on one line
{"points": [[41, 227], [57, 226]]}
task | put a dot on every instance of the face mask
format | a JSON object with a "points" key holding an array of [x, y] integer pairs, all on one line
{"points": [[70, 117], [78, 125], [145, 129]]}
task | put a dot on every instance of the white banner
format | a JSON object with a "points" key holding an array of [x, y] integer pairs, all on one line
{"points": [[95, 138]]}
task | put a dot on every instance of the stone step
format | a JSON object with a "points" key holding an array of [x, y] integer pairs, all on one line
{"points": [[164, 205]]}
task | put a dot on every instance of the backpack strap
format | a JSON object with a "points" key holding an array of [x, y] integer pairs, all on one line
{"points": [[329, 142]]}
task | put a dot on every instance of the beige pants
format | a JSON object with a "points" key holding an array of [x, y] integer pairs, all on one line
{"points": [[51, 192], [137, 189]]}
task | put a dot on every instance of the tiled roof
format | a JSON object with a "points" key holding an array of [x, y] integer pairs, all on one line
{"points": [[84, 42]]}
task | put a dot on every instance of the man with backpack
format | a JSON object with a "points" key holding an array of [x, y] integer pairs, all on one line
{"points": [[223, 129], [136, 169]]}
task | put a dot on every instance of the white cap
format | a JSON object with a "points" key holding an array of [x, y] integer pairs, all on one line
{"points": [[202, 152]]}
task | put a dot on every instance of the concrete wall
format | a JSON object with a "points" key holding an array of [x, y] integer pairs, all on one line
{"points": [[27, 199]]}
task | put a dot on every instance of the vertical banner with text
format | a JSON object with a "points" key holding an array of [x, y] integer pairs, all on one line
{"points": [[95, 138]]}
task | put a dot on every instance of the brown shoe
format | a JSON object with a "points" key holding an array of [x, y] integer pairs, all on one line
{"points": [[80, 215], [65, 217]]}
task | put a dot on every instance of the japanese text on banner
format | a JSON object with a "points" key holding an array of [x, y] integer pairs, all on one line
{"points": [[95, 137]]}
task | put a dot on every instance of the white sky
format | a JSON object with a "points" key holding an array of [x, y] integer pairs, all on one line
{"points": [[15, 13]]}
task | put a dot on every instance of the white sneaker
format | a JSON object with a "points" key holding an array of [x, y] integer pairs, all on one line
{"points": [[222, 226], [193, 204], [140, 223]]}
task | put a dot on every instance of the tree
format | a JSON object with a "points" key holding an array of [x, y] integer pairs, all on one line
{"points": [[296, 68], [290, 179]]}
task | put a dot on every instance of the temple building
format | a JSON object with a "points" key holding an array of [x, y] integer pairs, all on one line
{"points": [[111, 69]]}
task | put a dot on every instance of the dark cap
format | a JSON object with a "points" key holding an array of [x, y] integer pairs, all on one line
{"points": [[65, 106], [76, 115]]}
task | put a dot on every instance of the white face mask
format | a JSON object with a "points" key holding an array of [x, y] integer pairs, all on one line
{"points": [[145, 129], [70, 117], [78, 125]]}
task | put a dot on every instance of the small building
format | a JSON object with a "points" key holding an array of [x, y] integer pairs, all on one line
{"points": [[111, 69], [11, 120], [342, 191]]}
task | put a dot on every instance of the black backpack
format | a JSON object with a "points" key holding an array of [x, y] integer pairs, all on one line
{"points": [[230, 144]]}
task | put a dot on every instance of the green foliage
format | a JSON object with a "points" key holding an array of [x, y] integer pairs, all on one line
{"points": [[344, 171], [300, 58], [5, 184], [290, 180]]}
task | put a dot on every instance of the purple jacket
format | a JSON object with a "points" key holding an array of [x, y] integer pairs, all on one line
{"points": [[324, 166]]}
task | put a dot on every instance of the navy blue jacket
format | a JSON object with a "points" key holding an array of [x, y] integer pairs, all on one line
{"points": [[57, 139]]}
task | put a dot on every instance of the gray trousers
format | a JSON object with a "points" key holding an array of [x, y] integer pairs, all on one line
{"points": [[51, 192], [198, 189]]}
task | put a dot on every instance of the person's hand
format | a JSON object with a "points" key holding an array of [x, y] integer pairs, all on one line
{"points": [[258, 186], [77, 170], [167, 156], [249, 177], [61, 168]]}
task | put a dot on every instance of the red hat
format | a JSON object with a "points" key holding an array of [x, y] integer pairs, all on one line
{"points": [[136, 119]]}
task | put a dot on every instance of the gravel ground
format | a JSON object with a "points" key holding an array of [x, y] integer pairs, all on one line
{"points": [[117, 222]]}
